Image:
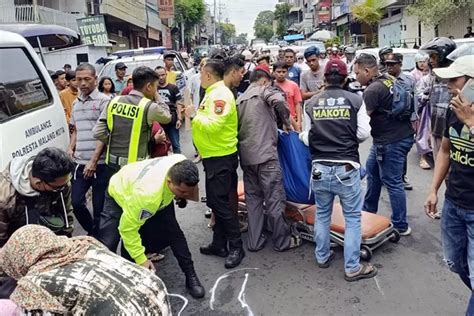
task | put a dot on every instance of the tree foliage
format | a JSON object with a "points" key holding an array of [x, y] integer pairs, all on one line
{"points": [[191, 12], [282, 10], [369, 12], [241, 39], [433, 12], [227, 33], [263, 25]]}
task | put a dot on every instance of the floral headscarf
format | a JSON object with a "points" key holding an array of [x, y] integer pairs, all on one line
{"points": [[33, 249]]}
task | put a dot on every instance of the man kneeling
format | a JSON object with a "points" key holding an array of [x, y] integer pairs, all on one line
{"points": [[139, 209]]}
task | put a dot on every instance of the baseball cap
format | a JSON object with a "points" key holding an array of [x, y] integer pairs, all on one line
{"points": [[120, 65], [312, 50], [263, 68], [335, 66], [394, 58], [462, 66]]}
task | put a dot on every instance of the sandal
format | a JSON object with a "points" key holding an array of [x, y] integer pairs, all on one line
{"points": [[424, 164], [326, 264], [295, 241], [366, 271], [155, 257]]}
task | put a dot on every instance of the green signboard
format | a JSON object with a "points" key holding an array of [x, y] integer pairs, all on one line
{"points": [[92, 30]]}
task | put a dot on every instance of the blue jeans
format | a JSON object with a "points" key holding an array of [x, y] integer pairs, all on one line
{"points": [[173, 134], [79, 188], [457, 233], [385, 166], [335, 180]]}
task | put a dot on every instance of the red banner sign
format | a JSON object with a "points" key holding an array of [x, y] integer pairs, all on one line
{"points": [[166, 9]]}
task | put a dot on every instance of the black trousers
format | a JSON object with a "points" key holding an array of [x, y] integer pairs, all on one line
{"points": [[221, 193], [80, 186], [159, 231]]}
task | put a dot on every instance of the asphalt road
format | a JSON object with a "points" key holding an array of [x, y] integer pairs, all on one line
{"points": [[412, 278]]}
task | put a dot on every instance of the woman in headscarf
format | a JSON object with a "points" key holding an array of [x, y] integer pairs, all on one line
{"points": [[77, 276]]}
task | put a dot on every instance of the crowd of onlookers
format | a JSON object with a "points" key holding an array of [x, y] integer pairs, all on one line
{"points": [[119, 126]]}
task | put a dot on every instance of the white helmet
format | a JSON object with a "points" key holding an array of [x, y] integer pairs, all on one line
{"points": [[247, 54], [421, 57]]}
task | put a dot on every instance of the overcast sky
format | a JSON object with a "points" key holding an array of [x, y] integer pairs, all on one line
{"points": [[242, 13]]}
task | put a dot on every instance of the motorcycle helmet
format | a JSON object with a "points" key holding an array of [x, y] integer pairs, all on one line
{"points": [[384, 51], [442, 46]]}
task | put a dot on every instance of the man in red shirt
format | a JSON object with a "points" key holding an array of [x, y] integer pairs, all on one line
{"points": [[292, 93]]}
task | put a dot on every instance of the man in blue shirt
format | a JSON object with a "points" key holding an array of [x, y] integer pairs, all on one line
{"points": [[294, 71], [119, 81]]}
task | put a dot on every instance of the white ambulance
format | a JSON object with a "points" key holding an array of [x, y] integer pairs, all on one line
{"points": [[31, 114]]}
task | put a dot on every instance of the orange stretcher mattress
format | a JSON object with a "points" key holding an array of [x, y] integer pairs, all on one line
{"points": [[371, 224]]}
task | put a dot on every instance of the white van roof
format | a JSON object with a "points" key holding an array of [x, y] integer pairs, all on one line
{"points": [[11, 39]]}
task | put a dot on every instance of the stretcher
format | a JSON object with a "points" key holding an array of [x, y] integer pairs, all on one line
{"points": [[376, 229]]}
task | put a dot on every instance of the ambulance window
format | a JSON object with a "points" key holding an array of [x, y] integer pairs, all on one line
{"points": [[22, 88]]}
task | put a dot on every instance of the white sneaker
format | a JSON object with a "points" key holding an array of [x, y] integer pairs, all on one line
{"points": [[405, 232]]}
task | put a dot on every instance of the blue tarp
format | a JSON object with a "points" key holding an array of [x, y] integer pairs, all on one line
{"points": [[295, 161]]}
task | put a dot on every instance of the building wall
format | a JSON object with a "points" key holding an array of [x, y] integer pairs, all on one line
{"points": [[456, 26]]}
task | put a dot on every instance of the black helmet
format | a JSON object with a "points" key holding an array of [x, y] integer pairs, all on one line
{"points": [[383, 51], [442, 46]]}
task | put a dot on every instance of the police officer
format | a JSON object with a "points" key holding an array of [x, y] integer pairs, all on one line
{"points": [[263, 180], [215, 136], [125, 124], [140, 210], [337, 123]]}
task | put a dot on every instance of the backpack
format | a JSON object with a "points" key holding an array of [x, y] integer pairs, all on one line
{"points": [[403, 104]]}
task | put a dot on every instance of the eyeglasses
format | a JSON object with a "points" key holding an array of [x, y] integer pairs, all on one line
{"points": [[57, 188], [300, 58]]}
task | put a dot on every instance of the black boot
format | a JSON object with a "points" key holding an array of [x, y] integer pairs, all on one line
{"points": [[193, 285], [210, 250], [234, 258]]}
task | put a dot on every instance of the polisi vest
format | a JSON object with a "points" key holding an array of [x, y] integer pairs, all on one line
{"points": [[129, 130], [333, 133]]}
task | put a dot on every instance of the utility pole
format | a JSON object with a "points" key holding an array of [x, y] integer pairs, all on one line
{"points": [[215, 23]]}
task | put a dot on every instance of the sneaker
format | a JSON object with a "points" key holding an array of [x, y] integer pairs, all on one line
{"points": [[406, 184], [208, 213], [404, 232]]}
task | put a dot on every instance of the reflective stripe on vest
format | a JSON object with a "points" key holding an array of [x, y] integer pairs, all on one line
{"points": [[133, 112]]}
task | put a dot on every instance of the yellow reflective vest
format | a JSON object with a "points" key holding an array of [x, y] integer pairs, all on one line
{"points": [[129, 130], [141, 190], [216, 122]]}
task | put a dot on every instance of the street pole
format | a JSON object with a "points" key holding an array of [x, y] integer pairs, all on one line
{"points": [[182, 34], [215, 21]]}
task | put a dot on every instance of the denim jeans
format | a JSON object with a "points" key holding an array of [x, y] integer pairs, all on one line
{"points": [[385, 167], [80, 186], [335, 180], [457, 233], [173, 134]]}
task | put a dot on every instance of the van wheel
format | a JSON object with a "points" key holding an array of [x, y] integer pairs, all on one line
{"points": [[365, 253]]}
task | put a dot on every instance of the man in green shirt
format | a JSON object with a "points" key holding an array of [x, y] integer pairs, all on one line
{"points": [[215, 136], [139, 209]]}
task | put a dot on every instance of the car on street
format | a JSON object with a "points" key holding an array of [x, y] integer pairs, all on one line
{"points": [[408, 56], [150, 57]]}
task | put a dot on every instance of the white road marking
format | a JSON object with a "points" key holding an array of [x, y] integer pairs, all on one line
{"points": [[242, 296], [378, 286], [183, 298], [225, 275]]}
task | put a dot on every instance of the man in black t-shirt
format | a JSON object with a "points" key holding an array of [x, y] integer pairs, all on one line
{"points": [[392, 140], [170, 94], [456, 156]]}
